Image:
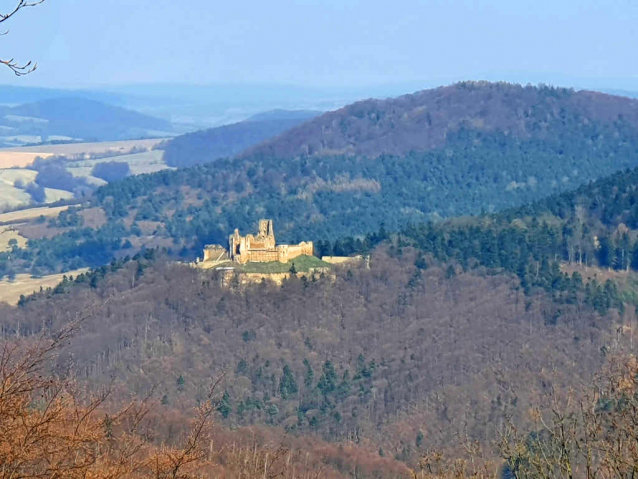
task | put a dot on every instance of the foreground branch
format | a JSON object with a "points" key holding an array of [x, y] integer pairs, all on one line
{"points": [[19, 69]]}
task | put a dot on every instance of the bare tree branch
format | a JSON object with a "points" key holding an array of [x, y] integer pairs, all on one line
{"points": [[19, 69]]}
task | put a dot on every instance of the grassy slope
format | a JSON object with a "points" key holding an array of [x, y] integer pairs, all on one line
{"points": [[302, 264]]}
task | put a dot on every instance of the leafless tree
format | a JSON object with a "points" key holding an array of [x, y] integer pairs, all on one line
{"points": [[19, 69]]}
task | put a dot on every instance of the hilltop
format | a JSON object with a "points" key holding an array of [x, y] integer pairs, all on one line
{"points": [[427, 119]]}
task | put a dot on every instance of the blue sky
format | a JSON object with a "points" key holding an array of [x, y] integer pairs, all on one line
{"points": [[328, 43]]}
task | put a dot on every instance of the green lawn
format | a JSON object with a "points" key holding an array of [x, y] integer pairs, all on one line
{"points": [[302, 264]]}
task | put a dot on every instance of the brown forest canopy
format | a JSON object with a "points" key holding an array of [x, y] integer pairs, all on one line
{"points": [[376, 356], [423, 120]]}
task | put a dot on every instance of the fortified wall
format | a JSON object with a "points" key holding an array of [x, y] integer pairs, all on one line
{"points": [[260, 248], [263, 248]]}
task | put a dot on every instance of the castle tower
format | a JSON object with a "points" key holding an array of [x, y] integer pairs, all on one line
{"points": [[262, 247], [266, 234]]}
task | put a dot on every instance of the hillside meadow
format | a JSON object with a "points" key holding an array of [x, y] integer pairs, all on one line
{"points": [[72, 170]]}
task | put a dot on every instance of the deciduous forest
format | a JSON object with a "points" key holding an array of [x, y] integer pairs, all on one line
{"points": [[484, 346]]}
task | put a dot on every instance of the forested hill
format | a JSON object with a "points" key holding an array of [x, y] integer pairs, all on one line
{"points": [[78, 118], [228, 140], [329, 197], [425, 120]]}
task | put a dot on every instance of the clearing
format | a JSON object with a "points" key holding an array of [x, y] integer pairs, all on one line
{"points": [[24, 155], [139, 163], [8, 233], [31, 213], [10, 291]]}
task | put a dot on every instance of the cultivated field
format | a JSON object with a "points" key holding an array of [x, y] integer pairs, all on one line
{"points": [[19, 159], [14, 163], [140, 163], [12, 175], [10, 291], [30, 214], [7, 233], [12, 197], [24, 155]]}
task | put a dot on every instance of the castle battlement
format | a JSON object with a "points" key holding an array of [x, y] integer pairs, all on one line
{"points": [[260, 248]]}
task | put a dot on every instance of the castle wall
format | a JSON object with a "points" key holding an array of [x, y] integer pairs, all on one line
{"points": [[214, 253], [288, 252], [342, 259], [262, 256], [262, 248]]}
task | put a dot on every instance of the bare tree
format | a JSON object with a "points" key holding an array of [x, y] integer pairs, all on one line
{"points": [[19, 69]]}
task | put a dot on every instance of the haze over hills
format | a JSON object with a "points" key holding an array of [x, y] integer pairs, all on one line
{"points": [[555, 144], [225, 141], [17, 95], [205, 106], [75, 119], [424, 120], [454, 328], [556, 140]]}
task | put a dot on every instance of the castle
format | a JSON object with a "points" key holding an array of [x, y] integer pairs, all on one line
{"points": [[257, 249]]}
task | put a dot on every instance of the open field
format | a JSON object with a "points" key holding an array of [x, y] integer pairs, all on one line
{"points": [[79, 148], [10, 291], [13, 163], [19, 159], [12, 197], [23, 156], [11, 175], [140, 163], [53, 194], [7, 233], [31, 213]]}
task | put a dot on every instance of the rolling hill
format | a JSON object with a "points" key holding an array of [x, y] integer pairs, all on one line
{"points": [[225, 141], [74, 119], [530, 143], [455, 328], [425, 120], [455, 331], [565, 141]]}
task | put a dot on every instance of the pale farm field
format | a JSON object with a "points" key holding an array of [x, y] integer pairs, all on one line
{"points": [[11, 175], [10, 291], [13, 163], [7, 233], [31, 213], [12, 197], [51, 195], [24, 155], [19, 159], [140, 163]]}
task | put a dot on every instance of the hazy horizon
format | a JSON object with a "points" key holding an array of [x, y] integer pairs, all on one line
{"points": [[349, 44]]}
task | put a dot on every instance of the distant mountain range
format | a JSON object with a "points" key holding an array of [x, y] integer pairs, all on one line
{"points": [[76, 119]]}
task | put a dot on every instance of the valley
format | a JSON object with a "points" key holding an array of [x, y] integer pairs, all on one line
{"points": [[19, 168], [480, 265], [318, 240]]}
